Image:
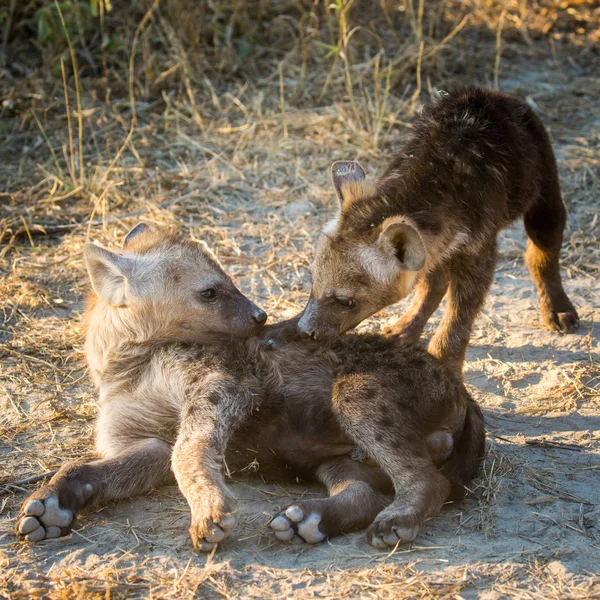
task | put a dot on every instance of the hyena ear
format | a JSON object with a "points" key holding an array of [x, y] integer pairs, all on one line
{"points": [[109, 273], [344, 173], [407, 244], [139, 228]]}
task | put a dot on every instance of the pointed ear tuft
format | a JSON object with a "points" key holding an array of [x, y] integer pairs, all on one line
{"points": [[344, 173], [109, 273], [407, 244], [139, 228]]}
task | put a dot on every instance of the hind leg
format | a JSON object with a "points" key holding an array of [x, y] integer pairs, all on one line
{"points": [[51, 511], [545, 223], [428, 295], [366, 413], [357, 493]]}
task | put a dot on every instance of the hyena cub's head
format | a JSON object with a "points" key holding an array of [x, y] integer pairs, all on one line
{"points": [[163, 287], [366, 258]]}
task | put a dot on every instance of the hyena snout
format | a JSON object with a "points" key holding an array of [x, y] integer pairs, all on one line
{"points": [[313, 326], [310, 330], [259, 316], [306, 325], [306, 330], [249, 313]]}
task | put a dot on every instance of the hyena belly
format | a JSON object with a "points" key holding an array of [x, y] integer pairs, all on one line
{"points": [[295, 428], [299, 383], [144, 401]]}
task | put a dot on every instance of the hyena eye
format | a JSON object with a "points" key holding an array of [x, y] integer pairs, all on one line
{"points": [[346, 302], [208, 294]]}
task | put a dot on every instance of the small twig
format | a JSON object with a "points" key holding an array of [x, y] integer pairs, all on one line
{"points": [[499, 48], [551, 444], [580, 522], [34, 479]]}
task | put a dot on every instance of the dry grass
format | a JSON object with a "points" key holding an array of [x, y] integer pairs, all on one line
{"points": [[221, 119]]}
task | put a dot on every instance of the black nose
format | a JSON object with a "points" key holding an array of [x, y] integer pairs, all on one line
{"points": [[306, 331], [259, 316], [307, 335]]}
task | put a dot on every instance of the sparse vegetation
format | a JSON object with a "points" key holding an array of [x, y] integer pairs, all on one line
{"points": [[222, 118]]}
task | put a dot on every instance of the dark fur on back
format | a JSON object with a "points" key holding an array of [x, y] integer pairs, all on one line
{"points": [[473, 163]]}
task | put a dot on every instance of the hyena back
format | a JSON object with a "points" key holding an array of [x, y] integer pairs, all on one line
{"points": [[477, 161], [185, 385]]}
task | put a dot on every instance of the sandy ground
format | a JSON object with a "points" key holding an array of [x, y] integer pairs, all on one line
{"points": [[529, 529]]}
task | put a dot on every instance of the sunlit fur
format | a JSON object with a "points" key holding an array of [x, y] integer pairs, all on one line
{"points": [[355, 191], [167, 274]]}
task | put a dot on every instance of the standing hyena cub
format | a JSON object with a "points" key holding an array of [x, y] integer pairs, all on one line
{"points": [[184, 387], [477, 161]]}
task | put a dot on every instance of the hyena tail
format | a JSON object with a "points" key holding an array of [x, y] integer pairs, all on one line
{"points": [[469, 449]]}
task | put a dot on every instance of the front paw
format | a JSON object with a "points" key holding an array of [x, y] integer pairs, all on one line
{"points": [[212, 520], [563, 322], [207, 533], [391, 529]]}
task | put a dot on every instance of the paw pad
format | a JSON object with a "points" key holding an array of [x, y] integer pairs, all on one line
{"points": [[43, 519], [393, 536], [293, 520]]}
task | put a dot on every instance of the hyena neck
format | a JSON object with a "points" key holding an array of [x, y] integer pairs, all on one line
{"points": [[389, 203], [110, 329]]}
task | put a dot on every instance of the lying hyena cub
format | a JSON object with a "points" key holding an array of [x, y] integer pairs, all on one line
{"points": [[477, 161], [183, 388]]}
